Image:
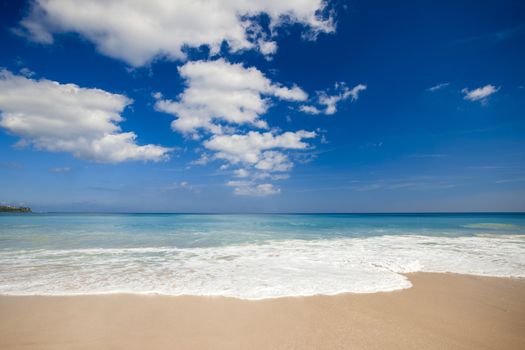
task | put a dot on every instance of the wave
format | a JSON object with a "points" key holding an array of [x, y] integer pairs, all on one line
{"points": [[256, 271]]}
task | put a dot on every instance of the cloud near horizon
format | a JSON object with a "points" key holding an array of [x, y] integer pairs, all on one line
{"points": [[258, 156], [67, 118], [138, 32], [220, 98], [248, 188]]}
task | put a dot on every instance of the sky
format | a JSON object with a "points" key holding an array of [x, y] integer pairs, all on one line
{"points": [[249, 106]]}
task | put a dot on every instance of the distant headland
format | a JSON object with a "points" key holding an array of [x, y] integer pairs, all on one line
{"points": [[12, 209]]}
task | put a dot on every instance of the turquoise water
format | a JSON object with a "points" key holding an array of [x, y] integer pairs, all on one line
{"points": [[64, 231], [249, 256]]}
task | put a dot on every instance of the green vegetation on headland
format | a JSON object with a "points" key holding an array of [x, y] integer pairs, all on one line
{"points": [[11, 209]]}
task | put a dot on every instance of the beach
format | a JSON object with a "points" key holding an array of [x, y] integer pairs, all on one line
{"points": [[294, 281], [259, 175], [440, 311]]}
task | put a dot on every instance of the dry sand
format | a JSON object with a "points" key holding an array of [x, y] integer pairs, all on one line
{"points": [[441, 311]]}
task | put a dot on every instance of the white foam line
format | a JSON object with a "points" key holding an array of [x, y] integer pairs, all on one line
{"points": [[259, 271]]}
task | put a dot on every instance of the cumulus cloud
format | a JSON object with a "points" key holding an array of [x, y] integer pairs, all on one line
{"points": [[222, 92], [219, 97], [252, 148], [222, 99], [139, 31], [258, 157], [329, 102], [67, 118], [480, 94], [274, 161]]}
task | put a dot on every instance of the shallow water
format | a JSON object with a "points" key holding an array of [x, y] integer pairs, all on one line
{"points": [[249, 256]]}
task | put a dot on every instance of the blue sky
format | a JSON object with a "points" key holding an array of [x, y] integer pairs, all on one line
{"points": [[352, 106]]}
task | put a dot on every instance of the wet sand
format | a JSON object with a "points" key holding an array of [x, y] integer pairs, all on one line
{"points": [[441, 311]]}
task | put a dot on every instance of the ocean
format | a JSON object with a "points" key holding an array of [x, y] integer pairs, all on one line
{"points": [[249, 256]]}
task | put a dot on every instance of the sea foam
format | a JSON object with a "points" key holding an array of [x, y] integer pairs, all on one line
{"points": [[256, 271]]}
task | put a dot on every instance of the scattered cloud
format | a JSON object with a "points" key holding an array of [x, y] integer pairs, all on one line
{"points": [[138, 32], [257, 149], [219, 102], [248, 188], [480, 94], [219, 93], [241, 173], [67, 118], [327, 104], [309, 109], [256, 157], [438, 87]]}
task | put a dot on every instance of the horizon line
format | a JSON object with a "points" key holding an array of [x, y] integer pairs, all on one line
{"points": [[277, 213]]}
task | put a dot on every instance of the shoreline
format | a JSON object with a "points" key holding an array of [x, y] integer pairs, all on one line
{"points": [[440, 310], [159, 294]]}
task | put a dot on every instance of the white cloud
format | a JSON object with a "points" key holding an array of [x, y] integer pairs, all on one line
{"points": [[480, 94], [267, 48], [218, 91], [260, 156], [329, 102], [309, 109], [248, 188], [438, 87], [139, 31], [241, 173], [354, 92], [249, 148], [67, 118], [274, 161], [219, 98]]}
